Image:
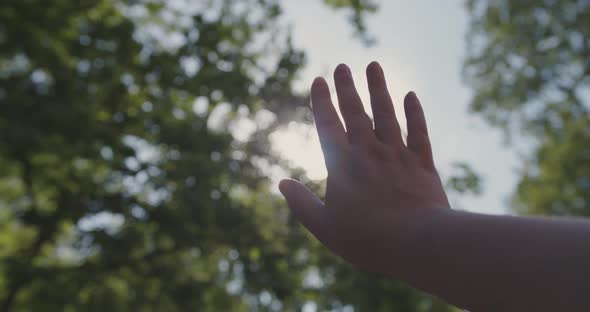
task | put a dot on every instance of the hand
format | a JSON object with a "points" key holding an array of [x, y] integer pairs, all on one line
{"points": [[378, 188]]}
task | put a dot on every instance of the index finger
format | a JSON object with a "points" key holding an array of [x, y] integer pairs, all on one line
{"points": [[330, 129]]}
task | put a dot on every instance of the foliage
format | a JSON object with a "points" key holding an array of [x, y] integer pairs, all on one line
{"points": [[358, 9], [134, 162], [528, 63], [464, 180]]}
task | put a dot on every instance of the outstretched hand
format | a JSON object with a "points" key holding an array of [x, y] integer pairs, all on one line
{"points": [[378, 188], [386, 211]]}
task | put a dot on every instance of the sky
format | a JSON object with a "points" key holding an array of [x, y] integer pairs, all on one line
{"points": [[421, 47]]}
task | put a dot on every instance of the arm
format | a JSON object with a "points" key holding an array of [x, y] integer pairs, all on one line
{"points": [[500, 263], [386, 211]]}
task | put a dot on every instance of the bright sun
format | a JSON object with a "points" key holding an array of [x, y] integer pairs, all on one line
{"points": [[299, 144]]}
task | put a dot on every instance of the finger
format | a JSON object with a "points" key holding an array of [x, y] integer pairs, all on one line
{"points": [[330, 130], [358, 125], [306, 206], [386, 125], [418, 140]]}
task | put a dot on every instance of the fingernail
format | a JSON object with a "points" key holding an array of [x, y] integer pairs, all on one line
{"points": [[376, 64], [319, 82], [343, 67], [283, 185]]}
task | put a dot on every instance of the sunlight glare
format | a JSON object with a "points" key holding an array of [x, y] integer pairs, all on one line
{"points": [[299, 144]]}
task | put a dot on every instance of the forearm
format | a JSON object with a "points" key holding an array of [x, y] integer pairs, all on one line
{"points": [[501, 263], [374, 214]]}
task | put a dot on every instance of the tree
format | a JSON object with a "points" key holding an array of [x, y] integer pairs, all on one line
{"points": [[133, 160], [528, 64]]}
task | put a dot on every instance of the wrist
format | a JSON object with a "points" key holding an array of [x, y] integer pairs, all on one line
{"points": [[420, 241]]}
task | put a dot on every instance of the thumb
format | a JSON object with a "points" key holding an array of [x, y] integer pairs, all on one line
{"points": [[306, 206]]}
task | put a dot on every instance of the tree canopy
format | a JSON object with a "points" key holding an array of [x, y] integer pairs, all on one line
{"points": [[134, 160], [529, 66]]}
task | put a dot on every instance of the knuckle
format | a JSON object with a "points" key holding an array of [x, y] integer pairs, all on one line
{"points": [[384, 112], [360, 121], [357, 110], [334, 155], [328, 123]]}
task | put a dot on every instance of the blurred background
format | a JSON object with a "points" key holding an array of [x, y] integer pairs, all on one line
{"points": [[141, 141]]}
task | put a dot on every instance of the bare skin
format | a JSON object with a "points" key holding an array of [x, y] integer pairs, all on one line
{"points": [[386, 211]]}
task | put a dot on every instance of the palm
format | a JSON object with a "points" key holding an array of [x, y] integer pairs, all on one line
{"points": [[374, 180]]}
